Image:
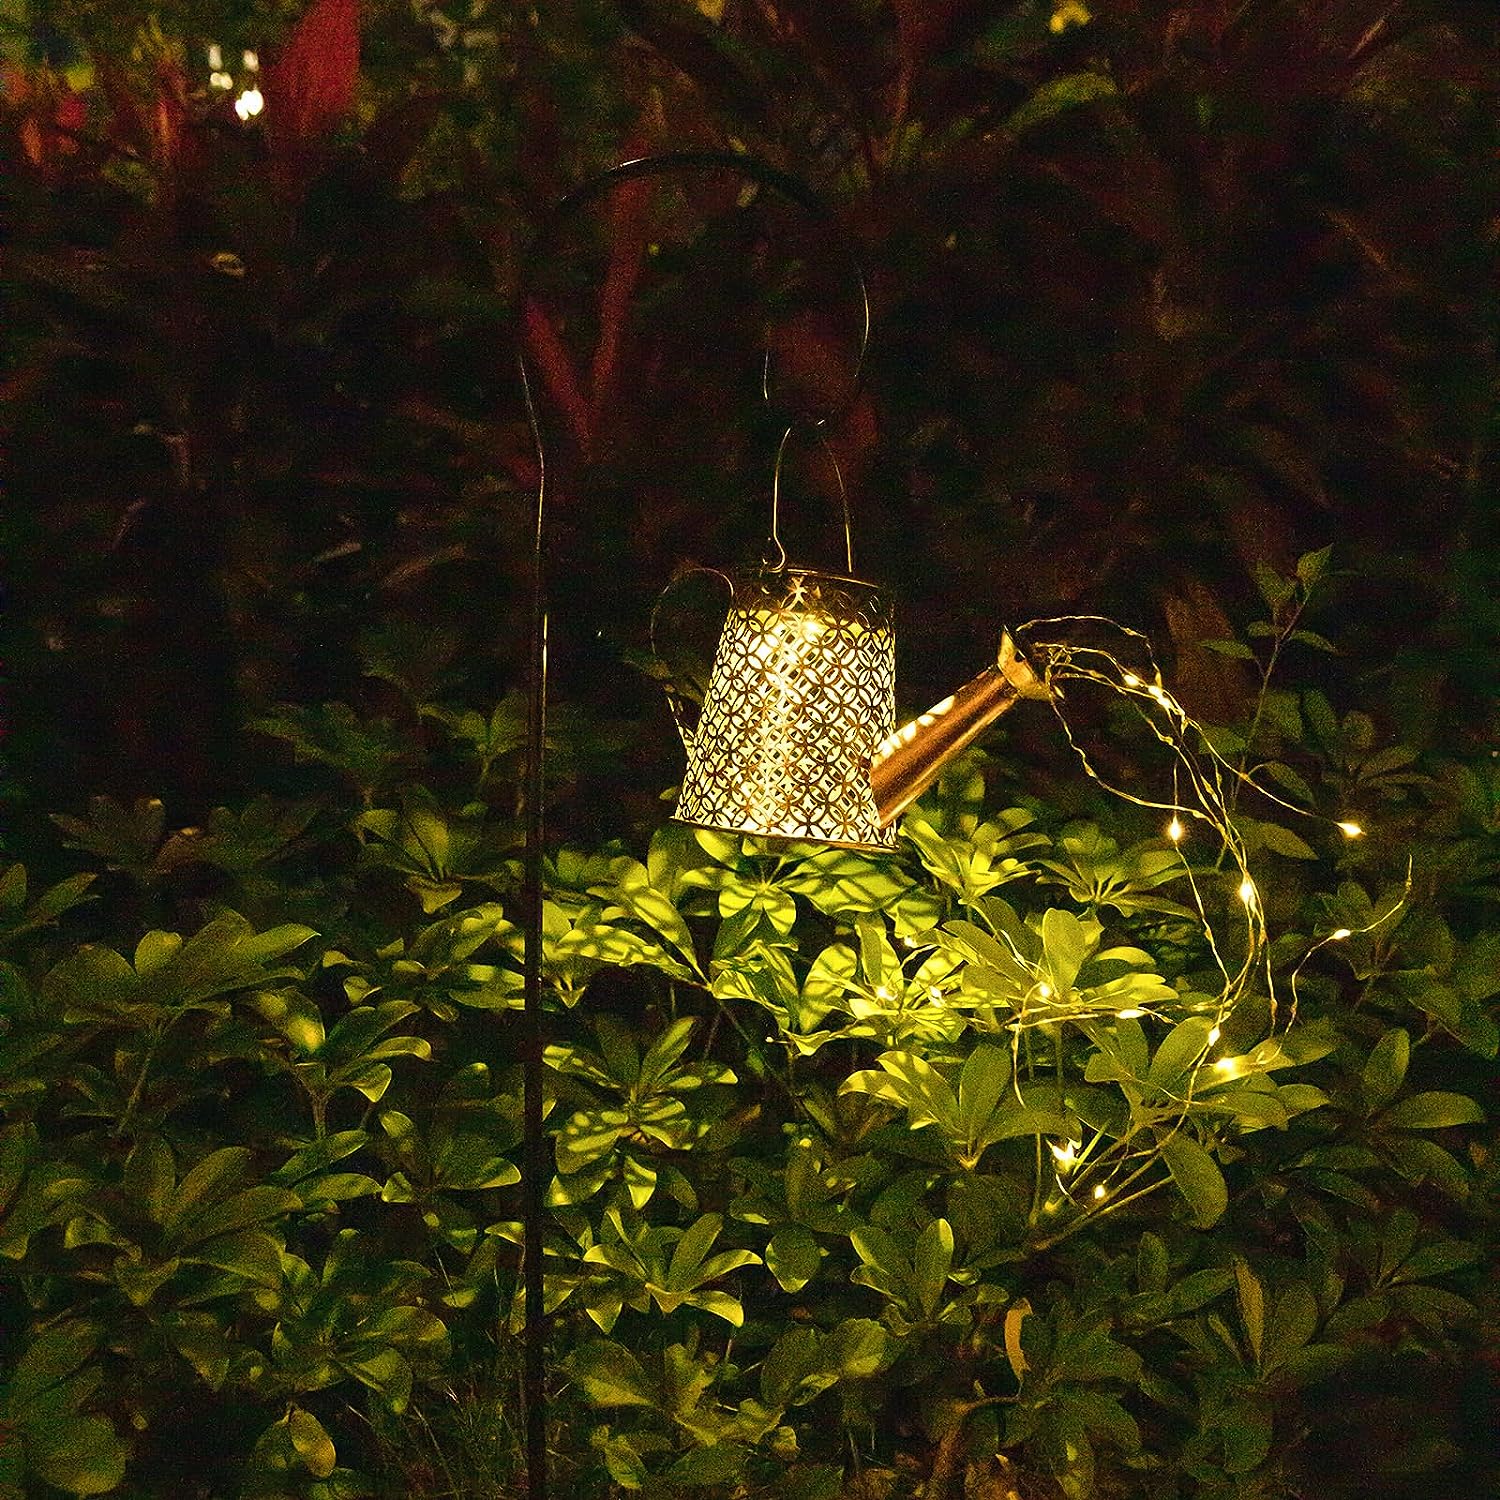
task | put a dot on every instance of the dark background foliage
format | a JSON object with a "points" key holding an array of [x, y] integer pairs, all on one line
{"points": [[1159, 295]]}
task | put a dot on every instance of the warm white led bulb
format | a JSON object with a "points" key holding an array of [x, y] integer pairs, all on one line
{"points": [[1100, 1191], [1340, 933], [1214, 1034], [1175, 830], [1129, 1014], [1247, 890], [249, 104], [1351, 830]]}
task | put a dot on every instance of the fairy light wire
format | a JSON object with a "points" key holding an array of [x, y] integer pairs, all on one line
{"points": [[1093, 1177]]}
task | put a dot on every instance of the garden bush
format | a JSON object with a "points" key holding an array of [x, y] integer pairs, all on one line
{"points": [[931, 1174]]}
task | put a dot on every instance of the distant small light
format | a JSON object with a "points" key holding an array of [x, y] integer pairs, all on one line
{"points": [[1066, 1154], [884, 992], [1214, 1034], [1340, 933], [1131, 680], [1247, 890], [221, 80], [1044, 990], [1175, 830], [1226, 1064], [215, 57], [252, 62], [1100, 1191], [1351, 830]]}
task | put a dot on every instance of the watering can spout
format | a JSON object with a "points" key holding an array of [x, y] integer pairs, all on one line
{"points": [[910, 759]]}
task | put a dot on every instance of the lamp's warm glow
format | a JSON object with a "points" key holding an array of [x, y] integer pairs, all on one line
{"points": [[1175, 830], [1247, 890], [1340, 933], [1351, 830], [249, 104], [802, 691]]}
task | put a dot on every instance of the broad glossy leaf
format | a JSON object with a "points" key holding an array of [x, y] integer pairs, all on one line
{"points": [[1197, 1178]]}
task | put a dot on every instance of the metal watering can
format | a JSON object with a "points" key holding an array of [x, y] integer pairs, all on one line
{"points": [[797, 737]]}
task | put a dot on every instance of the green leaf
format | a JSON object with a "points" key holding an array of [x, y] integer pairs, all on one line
{"points": [[1385, 1069], [793, 1257], [1181, 1050], [1236, 649], [856, 1348], [609, 1375], [1283, 841], [1432, 1111], [1311, 565], [931, 1261], [716, 1464], [1198, 1179], [690, 1251], [311, 1442], [1246, 1426], [80, 1455], [1294, 1320], [1068, 92], [1436, 1259], [51, 1356], [1252, 1301]]}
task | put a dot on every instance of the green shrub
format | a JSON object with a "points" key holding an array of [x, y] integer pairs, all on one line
{"points": [[931, 1174]]}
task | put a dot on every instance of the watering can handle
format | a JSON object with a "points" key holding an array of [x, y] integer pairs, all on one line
{"points": [[675, 701]]}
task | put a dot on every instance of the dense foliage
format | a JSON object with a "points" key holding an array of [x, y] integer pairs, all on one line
{"points": [[922, 1174], [929, 1175]]}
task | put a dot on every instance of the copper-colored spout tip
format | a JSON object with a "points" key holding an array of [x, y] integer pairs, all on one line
{"points": [[911, 759]]}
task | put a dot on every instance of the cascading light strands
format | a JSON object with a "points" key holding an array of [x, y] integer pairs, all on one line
{"points": [[801, 692]]}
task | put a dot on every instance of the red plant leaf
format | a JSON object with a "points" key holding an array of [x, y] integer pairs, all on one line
{"points": [[310, 86], [629, 230], [557, 371]]}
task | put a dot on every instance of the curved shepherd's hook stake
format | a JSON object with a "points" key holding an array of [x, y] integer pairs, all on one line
{"points": [[533, 1037]]}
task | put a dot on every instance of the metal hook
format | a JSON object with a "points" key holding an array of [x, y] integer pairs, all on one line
{"points": [[856, 379], [838, 473]]}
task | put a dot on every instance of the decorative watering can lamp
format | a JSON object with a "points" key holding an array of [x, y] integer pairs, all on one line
{"points": [[796, 737]]}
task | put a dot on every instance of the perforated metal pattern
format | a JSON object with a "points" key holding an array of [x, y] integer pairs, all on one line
{"points": [[802, 691]]}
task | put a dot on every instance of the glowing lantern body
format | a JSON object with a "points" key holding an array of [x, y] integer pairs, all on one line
{"points": [[801, 693]]}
